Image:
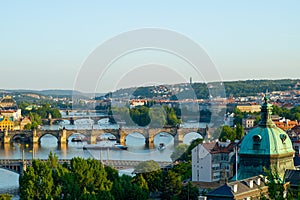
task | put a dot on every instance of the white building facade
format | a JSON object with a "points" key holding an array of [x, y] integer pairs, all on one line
{"points": [[211, 162]]}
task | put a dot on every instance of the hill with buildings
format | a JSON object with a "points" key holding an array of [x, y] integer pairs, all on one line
{"points": [[204, 90]]}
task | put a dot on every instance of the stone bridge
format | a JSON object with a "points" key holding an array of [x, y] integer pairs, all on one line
{"points": [[73, 118], [19, 165], [62, 135]]}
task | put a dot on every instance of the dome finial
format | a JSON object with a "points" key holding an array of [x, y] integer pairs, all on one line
{"points": [[266, 111], [266, 99]]}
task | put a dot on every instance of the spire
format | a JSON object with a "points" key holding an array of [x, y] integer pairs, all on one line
{"points": [[266, 111]]}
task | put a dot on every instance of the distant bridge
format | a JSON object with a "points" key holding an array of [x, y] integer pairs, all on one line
{"points": [[19, 165], [62, 135], [73, 118]]}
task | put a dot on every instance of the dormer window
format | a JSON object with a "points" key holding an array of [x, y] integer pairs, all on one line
{"points": [[256, 142], [256, 139], [282, 137]]}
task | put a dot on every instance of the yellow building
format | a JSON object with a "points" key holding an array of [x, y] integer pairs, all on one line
{"points": [[249, 108], [6, 123], [23, 123]]}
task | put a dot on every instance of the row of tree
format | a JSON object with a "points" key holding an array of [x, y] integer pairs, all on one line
{"points": [[89, 179], [156, 116], [82, 179]]}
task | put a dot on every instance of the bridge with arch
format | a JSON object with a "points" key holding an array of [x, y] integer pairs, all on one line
{"points": [[73, 118], [62, 135]]}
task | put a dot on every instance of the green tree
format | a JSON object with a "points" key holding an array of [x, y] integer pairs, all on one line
{"points": [[184, 169], [189, 192], [5, 197], [171, 185], [239, 132], [157, 116], [172, 119], [90, 175], [179, 152], [238, 116], [142, 184], [227, 134], [140, 115], [55, 113], [37, 181], [27, 126], [151, 172], [275, 185]]}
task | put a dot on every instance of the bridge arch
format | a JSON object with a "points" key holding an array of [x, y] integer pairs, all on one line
{"points": [[162, 133], [13, 169], [20, 137], [77, 135], [189, 137], [47, 134], [84, 121], [137, 136], [164, 137]]}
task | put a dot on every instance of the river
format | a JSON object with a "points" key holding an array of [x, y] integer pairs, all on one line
{"points": [[135, 142]]}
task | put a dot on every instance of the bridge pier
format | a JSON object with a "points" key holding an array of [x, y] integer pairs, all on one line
{"points": [[93, 138], [149, 142], [72, 121], [178, 137], [63, 136], [150, 138], [122, 137], [6, 138], [35, 138]]}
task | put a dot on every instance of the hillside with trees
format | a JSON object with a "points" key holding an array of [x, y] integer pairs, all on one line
{"points": [[202, 91]]}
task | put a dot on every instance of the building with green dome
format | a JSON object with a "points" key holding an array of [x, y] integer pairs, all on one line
{"points": [[265, 146]]}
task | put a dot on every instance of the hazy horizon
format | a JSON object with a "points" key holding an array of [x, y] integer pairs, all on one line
{"points": [[47, 45], [71, 89]]}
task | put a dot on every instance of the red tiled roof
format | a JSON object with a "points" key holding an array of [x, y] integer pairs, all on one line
{"points": [[215, 147]]}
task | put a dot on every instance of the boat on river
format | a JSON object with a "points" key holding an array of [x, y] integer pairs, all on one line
{"points": [[112, 138], [76, 139], [161, 147], [121, 146], [101, 147], [162, 134]]}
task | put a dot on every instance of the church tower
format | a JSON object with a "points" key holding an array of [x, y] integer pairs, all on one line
{"points": [[265, 146]]}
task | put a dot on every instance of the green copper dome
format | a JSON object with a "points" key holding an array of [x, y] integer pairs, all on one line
{"points": [[267, 138], [265, 147]]}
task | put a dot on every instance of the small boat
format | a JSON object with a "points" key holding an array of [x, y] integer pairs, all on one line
{"points": [[121, 146], [76, 139], [101, 147], [163, 134], [161, 147], [112, 138]]}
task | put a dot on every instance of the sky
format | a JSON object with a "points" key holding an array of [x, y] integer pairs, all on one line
{"points": [[58, 44]]}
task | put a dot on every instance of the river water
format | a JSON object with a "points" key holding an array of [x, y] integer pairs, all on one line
{"points": [[135, 142]]}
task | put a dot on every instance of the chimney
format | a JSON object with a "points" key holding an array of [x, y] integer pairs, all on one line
{"points": [[235, 187], [266, 179], [258, 181], [251, 183]]}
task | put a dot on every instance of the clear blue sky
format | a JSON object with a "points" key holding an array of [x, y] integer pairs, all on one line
{"points": [[43, 45]]}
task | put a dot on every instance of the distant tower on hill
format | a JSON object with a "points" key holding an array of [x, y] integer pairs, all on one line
{"points": [[191, 81]]}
